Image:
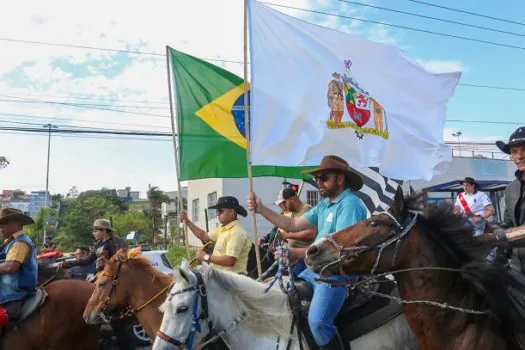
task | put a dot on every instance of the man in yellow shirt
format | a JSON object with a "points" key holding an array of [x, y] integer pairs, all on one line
{"points": [[18, 263], [232, 245]]}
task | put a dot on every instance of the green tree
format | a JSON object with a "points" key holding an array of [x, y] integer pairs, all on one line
{"points": [[36, 230], [3, 162], [132, 220], [75, 227], [108, 194]]}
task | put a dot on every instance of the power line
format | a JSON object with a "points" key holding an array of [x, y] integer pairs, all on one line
{"points": [[71, 104], [445, 20], [81, 97], [467, 12], [85, 47], [70, 126], [82, 104], [484, 122], [125, 138], [79, 120], [77, 131], [401, 27]]}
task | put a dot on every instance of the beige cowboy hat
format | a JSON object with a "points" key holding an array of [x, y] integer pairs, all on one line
{"points": [[338, 165], [12, 214], [103, 224]]}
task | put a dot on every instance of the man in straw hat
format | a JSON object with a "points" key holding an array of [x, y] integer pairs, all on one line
{"points": [[232, 245], [339, 209], [18, 262], [106, 246], [515, 191]]}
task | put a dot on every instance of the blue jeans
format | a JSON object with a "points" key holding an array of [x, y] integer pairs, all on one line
{"points": [[326, 304], [298, 267]]}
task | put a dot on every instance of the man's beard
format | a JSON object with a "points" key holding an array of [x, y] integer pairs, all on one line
{"points": [[328, 192]]}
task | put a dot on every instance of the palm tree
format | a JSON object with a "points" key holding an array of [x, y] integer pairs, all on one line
{"points": [[156, 197]]}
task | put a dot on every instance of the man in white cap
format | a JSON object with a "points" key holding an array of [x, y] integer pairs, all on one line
{"points": [[297, 241]]}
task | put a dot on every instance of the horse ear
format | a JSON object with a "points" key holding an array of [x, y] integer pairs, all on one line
{"points": [[399, 203], [184, 264]]}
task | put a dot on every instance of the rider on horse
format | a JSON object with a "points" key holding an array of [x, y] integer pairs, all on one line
{"points": [[18, 262], [339, 209]]}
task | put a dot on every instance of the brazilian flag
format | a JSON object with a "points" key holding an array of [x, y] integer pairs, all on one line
{"points": [[210, 112]]}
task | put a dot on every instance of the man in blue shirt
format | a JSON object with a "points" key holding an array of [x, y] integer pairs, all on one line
{"points": [[339, 209]]}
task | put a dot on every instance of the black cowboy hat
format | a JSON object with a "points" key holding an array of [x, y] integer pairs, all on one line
{"points": [[229, 202], [517, 138]]}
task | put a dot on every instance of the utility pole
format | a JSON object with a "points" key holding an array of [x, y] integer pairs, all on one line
{"points": [[46, 201], [458, 134]]}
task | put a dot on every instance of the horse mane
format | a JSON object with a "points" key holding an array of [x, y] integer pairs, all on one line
{"points": [[264, 310], [483, 284], [138, 263]]}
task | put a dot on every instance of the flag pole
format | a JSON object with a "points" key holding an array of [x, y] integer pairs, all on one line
{"points": [[176, 153], [247, 130]]}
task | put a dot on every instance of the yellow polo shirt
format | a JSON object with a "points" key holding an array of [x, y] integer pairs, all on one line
{"points": [[231, 240], [19, 251]]}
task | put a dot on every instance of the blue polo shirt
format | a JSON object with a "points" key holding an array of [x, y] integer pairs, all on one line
{"points": [[332, 216]]}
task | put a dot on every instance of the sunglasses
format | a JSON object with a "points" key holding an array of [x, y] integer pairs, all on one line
{"points": [[323, 177], [98, 229]]}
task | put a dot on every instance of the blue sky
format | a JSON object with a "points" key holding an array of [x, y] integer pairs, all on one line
{"points": [[138, 82]]}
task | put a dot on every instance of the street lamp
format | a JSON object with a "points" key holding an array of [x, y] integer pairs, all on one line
{"points": [[458, 134], [46, 204]]}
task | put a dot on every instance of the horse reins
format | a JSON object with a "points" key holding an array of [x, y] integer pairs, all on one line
{"points": [[128, 310], [201, 296], [397, 235]]}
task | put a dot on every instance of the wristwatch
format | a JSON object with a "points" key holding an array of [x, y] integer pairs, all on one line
{"points": [[206, 258]]}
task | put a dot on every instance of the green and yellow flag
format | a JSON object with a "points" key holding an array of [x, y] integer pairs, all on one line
{"points": [[210, 112]]}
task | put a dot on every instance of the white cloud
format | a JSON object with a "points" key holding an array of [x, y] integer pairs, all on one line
{"points": [[204, 28], [443, 66]]}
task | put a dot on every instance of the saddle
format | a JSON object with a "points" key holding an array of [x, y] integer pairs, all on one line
{"points": [[360, 314], [20, 311]]}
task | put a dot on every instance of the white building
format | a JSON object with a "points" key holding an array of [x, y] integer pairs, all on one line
{"points": [[203, 193], [22, 205]]}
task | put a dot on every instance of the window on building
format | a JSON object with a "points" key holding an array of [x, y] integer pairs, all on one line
{"points": [[312, 198], [195, 210], [212, 200]]}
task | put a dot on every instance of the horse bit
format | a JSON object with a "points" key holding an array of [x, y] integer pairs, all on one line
{"points": [[201, 295]]}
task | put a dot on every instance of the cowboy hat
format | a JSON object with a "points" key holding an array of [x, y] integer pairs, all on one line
{"points": [[12, 214], [517, 138], [338, 165], [229, 202], [103, 224]]}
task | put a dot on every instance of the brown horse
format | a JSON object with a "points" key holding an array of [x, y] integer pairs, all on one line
{"points": [[58, 323], [131, 285], [442, 263]]}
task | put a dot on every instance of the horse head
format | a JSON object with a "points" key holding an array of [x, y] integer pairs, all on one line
{"points": [[372, 245], [185, 309]]}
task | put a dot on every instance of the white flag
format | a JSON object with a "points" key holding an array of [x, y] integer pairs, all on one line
{"points": [[316, 91]]}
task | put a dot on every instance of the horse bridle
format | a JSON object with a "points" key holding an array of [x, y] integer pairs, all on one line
{"points": [[399, 232], [201, 296], [128, 310]]}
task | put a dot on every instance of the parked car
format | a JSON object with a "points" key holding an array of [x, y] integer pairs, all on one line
{"points": [[159, 259]]}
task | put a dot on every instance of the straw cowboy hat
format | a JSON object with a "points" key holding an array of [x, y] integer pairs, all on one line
{"points": [[103, 224], [517, 138], [338, 165], [229, 202], [12, 214]]}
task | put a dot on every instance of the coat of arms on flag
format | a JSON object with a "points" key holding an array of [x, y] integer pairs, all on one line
{"points": [[366, 113]]}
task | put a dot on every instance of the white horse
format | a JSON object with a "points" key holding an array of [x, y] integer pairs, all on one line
{"points": [[248, 317]]}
